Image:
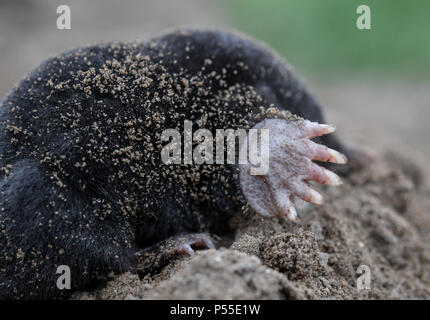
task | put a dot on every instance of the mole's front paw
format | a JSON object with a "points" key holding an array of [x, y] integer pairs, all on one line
{"points": [[291, 152]]}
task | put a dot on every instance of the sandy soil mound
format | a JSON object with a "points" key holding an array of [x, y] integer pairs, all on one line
{"points": [[379, 218]]}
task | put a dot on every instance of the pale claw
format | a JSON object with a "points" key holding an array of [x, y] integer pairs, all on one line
{"points": [[309, 129], [322, 175], [291, 212], [290, 165], [308, 194], [336, 157], [320, 152]]}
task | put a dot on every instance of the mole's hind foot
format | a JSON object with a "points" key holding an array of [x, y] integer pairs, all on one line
{"points": [[291, 152], [187, 243], [156, 257]]}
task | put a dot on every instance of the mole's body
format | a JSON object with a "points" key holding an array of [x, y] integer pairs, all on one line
{"points": [[82, 183]]}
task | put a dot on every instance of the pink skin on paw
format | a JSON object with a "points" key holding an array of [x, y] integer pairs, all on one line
{"points": [[290, 165]]}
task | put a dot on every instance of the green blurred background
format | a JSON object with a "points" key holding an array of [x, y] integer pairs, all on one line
{"points": [[320, 36]]}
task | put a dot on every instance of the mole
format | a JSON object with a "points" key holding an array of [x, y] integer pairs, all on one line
{"points": [[82, 182]]}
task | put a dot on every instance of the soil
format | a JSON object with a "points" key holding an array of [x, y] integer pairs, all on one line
{"points": [[378, 218]]}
